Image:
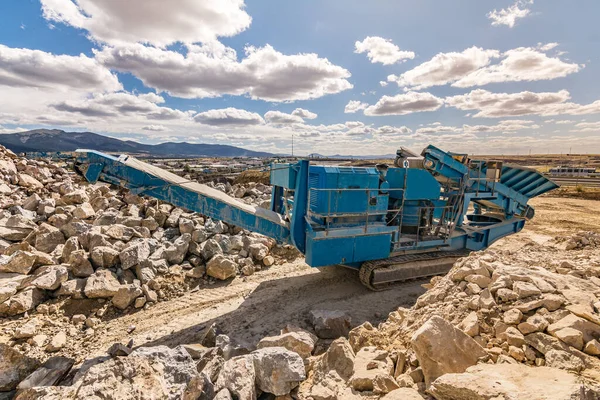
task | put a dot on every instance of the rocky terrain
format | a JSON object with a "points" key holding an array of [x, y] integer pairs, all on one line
{"points": [[503, 324]]}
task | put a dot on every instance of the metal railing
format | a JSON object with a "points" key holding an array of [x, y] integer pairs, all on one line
{"points": [[329, 215]]}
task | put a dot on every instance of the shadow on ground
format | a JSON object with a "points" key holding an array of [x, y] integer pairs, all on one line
{"points": [[289, 300]]}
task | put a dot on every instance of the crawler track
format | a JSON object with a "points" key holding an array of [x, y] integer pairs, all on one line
{"points": [[385, 274]]}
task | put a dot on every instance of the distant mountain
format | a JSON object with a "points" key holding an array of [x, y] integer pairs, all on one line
{"points": [[58, 140]]}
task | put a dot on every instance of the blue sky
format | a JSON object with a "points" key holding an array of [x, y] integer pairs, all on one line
{"points": [[342, 77]]}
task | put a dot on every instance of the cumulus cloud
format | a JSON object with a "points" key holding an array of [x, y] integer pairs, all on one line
{"points": [[278, 117], [445, 68], [587, 127], [393, 130], [380, 50], [154, 128], [438, 129], [492, 105], [472, 68], [564, 122], [118, 105], [403, 104], [151, 21], [509, 16], [354, 106], [213, 70], [509, 126], [304, 114], [229, 117], [34, 68], [521, 64]]}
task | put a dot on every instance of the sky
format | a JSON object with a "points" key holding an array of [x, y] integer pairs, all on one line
{"points": [[349, 77]]}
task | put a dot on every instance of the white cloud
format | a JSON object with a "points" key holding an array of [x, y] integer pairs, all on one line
{"points": [[229, 117], [587, 127], [152, 98], [151, 21], [564, 122], [4, 130], [120, 104], [380, 50], [278, 117], [509, 16], [508, 126], [547, 46], [34, 68], [438, 129], [354, 106], [521, 64], [213, 70], [383, 83], [492, 105], [445, 68], [155, 128], [393, 130], [403, 104], [304, 114], [472, 68]]}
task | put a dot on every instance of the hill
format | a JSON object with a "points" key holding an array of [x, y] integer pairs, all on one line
{"points": [[59, 140]]}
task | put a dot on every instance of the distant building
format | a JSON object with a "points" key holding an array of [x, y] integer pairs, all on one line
{"points": [[572, 171]]}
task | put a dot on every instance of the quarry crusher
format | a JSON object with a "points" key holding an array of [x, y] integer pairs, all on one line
{"points": [[390, 223]]}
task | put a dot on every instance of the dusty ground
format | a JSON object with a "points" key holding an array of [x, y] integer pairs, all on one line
{"points": [[248, 309]]}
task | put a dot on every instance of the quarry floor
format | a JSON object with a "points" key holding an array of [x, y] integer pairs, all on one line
{"points": [[250, 308]]}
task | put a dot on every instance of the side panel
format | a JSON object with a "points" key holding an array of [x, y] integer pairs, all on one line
{"points": [[346, 250], [420, 184]]}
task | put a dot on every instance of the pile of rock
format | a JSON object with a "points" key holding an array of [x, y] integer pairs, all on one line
{"points": [[499, 325], [217, 368], [251, 193], [579, 240], [61, 237]]}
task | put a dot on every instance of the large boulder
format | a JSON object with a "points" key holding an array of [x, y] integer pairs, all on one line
{"points": [[135, 254], [175, 254], [238, 376], [47, 241], [208, 249], [221, 267], [9, 283], [442, 349], [278, 370], [14, 367], [511, 381], [50, 277], [102, 284], [75, 197], [298, 341], [16, 227], [133, 377], [49, 374], [589, 330], [29, 181], [126, 295], [330, 324], [104, 256], [25, 300], [370, 365], [330, 372], [19, 262], [79, 264]]}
